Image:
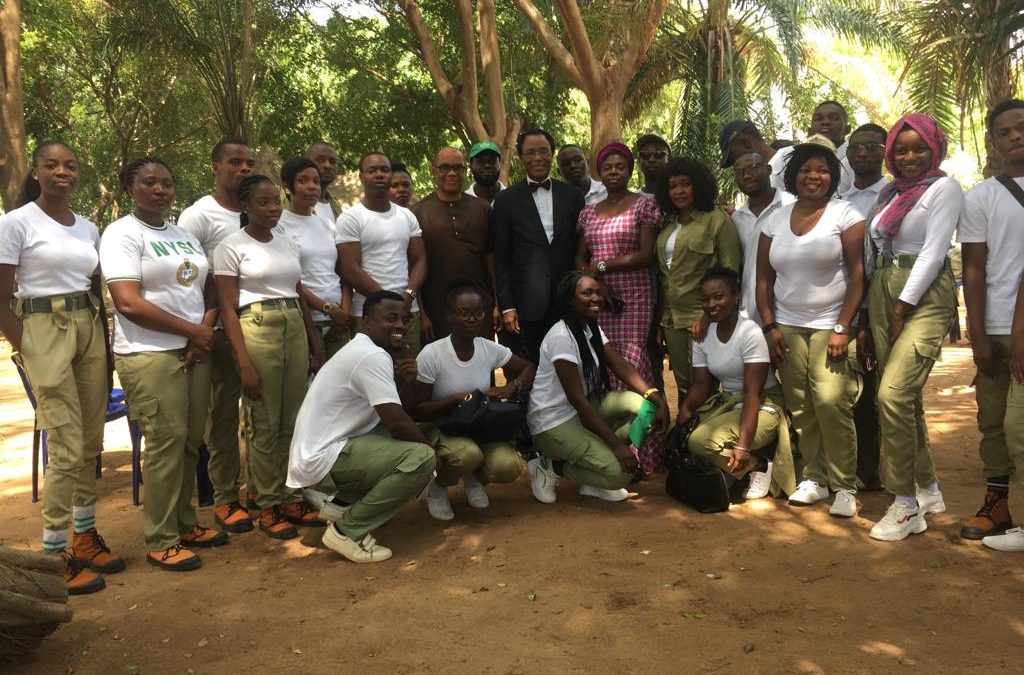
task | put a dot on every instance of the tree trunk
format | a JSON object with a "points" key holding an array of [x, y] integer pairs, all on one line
{"points": [[605, 121], [13, 159], [33, 600]]}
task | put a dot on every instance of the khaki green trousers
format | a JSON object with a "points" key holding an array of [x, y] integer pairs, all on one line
{"points": [[1000, 414], [276, 342], [821, 394], [715, 438], [489, 462], [679, 345], [329, 348], [65, 359], [412, 341], [222, 424], [170, 404], [904, 367], [377, 474], [588, 460]]}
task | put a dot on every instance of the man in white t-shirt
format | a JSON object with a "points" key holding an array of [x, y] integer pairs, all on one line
{"points": [[573, 165], [992, 234], [831, 121], [353, 438], [485, 165], [753, 177], [210, 219], [325, 157], [381, 246]]}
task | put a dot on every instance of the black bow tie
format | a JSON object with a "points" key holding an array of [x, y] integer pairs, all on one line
{"points": [[546, 184]]}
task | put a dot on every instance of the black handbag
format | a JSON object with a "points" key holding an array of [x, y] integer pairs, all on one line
{"points": [[486, 420], [693, 480]]}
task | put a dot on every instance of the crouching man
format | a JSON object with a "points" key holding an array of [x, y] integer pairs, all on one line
{"points": [[353, 438]]}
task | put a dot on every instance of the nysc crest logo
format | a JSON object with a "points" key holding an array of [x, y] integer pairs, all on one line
{"points": [[187, 273]]}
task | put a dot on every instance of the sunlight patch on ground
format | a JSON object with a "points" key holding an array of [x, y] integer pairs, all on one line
{"points": [[880, 648]]}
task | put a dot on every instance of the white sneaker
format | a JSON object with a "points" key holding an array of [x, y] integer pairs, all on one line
{"points": [[1011, 541], [899, 522], [844, 505], [476, 495], [437, 502], [931, 501], [808, 492], [543, 480], [760, 483], [363, 551], [607, 495]]}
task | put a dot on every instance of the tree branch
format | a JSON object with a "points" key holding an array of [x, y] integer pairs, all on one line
{"points": [[589, 67], [428, 50], [490, 59], [550, 41], [637, 49]]}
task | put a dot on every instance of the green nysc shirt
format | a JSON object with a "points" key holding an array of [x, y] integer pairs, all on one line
{"points": [[705, 240]]}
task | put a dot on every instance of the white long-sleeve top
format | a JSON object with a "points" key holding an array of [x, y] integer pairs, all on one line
{"points": [[926, 231]]}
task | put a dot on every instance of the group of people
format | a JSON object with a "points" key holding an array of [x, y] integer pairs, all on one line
{"points": [[347, 337]]}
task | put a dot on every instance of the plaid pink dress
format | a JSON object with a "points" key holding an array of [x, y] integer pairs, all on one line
{"points": [[611, 237]]}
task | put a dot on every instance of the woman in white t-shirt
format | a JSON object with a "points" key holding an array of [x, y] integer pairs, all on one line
{"points": [[810, 283], [738, 425], [165, 311], [452, 368], [577, 423], [268, 324], [321, 286], [911, 301], [57, 329]]}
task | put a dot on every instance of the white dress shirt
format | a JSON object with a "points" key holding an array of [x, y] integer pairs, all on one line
{"points": [[749, 226], [864, 199], [545, 208], [597, 193]]}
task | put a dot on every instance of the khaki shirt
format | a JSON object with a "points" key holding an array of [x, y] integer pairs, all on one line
{"points": [[705, 240]]}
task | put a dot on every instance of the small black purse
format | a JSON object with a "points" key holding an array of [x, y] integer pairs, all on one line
{"points": [[693, 480], [486, 420]]}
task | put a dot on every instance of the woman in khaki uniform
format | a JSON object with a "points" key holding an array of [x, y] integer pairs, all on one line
{"points": [[696, 237], [56, 325], [270, 330], [158, 278]]}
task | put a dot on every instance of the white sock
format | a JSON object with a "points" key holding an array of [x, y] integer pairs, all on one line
{"points": [[909, 502], [934, 487]]}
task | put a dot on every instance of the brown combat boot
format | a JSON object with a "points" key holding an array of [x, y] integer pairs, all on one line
{"points": [[302, 514], [273, 524], [992, 518], [89, 549], [81, 581], [203, 537], [232, 518], [174, 559]]}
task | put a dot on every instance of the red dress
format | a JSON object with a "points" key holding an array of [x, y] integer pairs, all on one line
{"points": [[609, 237]]}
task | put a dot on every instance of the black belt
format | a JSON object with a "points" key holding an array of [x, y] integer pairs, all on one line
{"points": [[54, 303]]}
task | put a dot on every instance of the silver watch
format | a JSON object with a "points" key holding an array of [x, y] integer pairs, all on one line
{"points": [[602, 267], [839, 329]]}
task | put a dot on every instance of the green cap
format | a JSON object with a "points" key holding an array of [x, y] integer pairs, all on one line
{"points": [[483, 146]]}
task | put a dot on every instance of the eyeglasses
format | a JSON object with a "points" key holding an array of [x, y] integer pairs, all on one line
{"points": [[469, 316], [742, 171], [450, 168], [537, 152], [873, 145], [654, 154]]}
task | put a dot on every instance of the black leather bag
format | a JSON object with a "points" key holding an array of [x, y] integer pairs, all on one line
{"points": [[693, 480], [486, 420]]}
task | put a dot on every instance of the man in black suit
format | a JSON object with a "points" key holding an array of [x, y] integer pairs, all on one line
{"points": [[534, 227]]}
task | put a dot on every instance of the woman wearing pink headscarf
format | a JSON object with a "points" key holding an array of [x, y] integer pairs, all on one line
{"points": [[616, 246], [910, 304]]}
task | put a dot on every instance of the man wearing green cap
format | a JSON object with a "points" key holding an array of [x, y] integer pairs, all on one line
{"points": [[485, 163]]}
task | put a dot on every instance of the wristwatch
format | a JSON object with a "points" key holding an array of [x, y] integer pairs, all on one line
{"points": [[327, 307], [839, 329], [411, 293], [602, 267]]}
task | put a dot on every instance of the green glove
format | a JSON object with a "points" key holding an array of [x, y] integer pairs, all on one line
{"points": [[642, 423]]}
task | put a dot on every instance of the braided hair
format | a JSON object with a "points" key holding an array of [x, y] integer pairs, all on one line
{"points": [[595, 374], [246, 186], [126, 177], [30, 188]]}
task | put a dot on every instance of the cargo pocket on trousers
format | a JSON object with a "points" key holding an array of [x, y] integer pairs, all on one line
{"points": [[144, 411], [51, 415], [927, 350]]}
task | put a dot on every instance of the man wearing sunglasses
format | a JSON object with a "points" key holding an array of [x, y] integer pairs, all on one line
{"points": [[865, 152]]}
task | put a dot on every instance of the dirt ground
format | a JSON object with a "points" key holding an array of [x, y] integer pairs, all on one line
{"points": [[645, 586]]}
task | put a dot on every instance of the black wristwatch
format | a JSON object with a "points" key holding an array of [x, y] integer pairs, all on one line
{"points": [[769, 327]]}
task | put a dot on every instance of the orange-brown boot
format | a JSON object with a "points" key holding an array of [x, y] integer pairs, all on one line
{"points": [[992, 518], [273, 524], [232, 518], [90, 550], [301, 514], [174, 559], [203, 537], [81, 581]]}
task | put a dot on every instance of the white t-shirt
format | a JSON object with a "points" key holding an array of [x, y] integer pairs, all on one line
{"points": [[926, 231], [209, 222], [384, 240], [265, 271], [597, 192], [339, 406], [866, 198], [810, 272], [318, 256], [725, 359], [749, 226], [549, 406], [52, 259], [171, 266], [324, 210], [992, 216], [439, 365]]}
